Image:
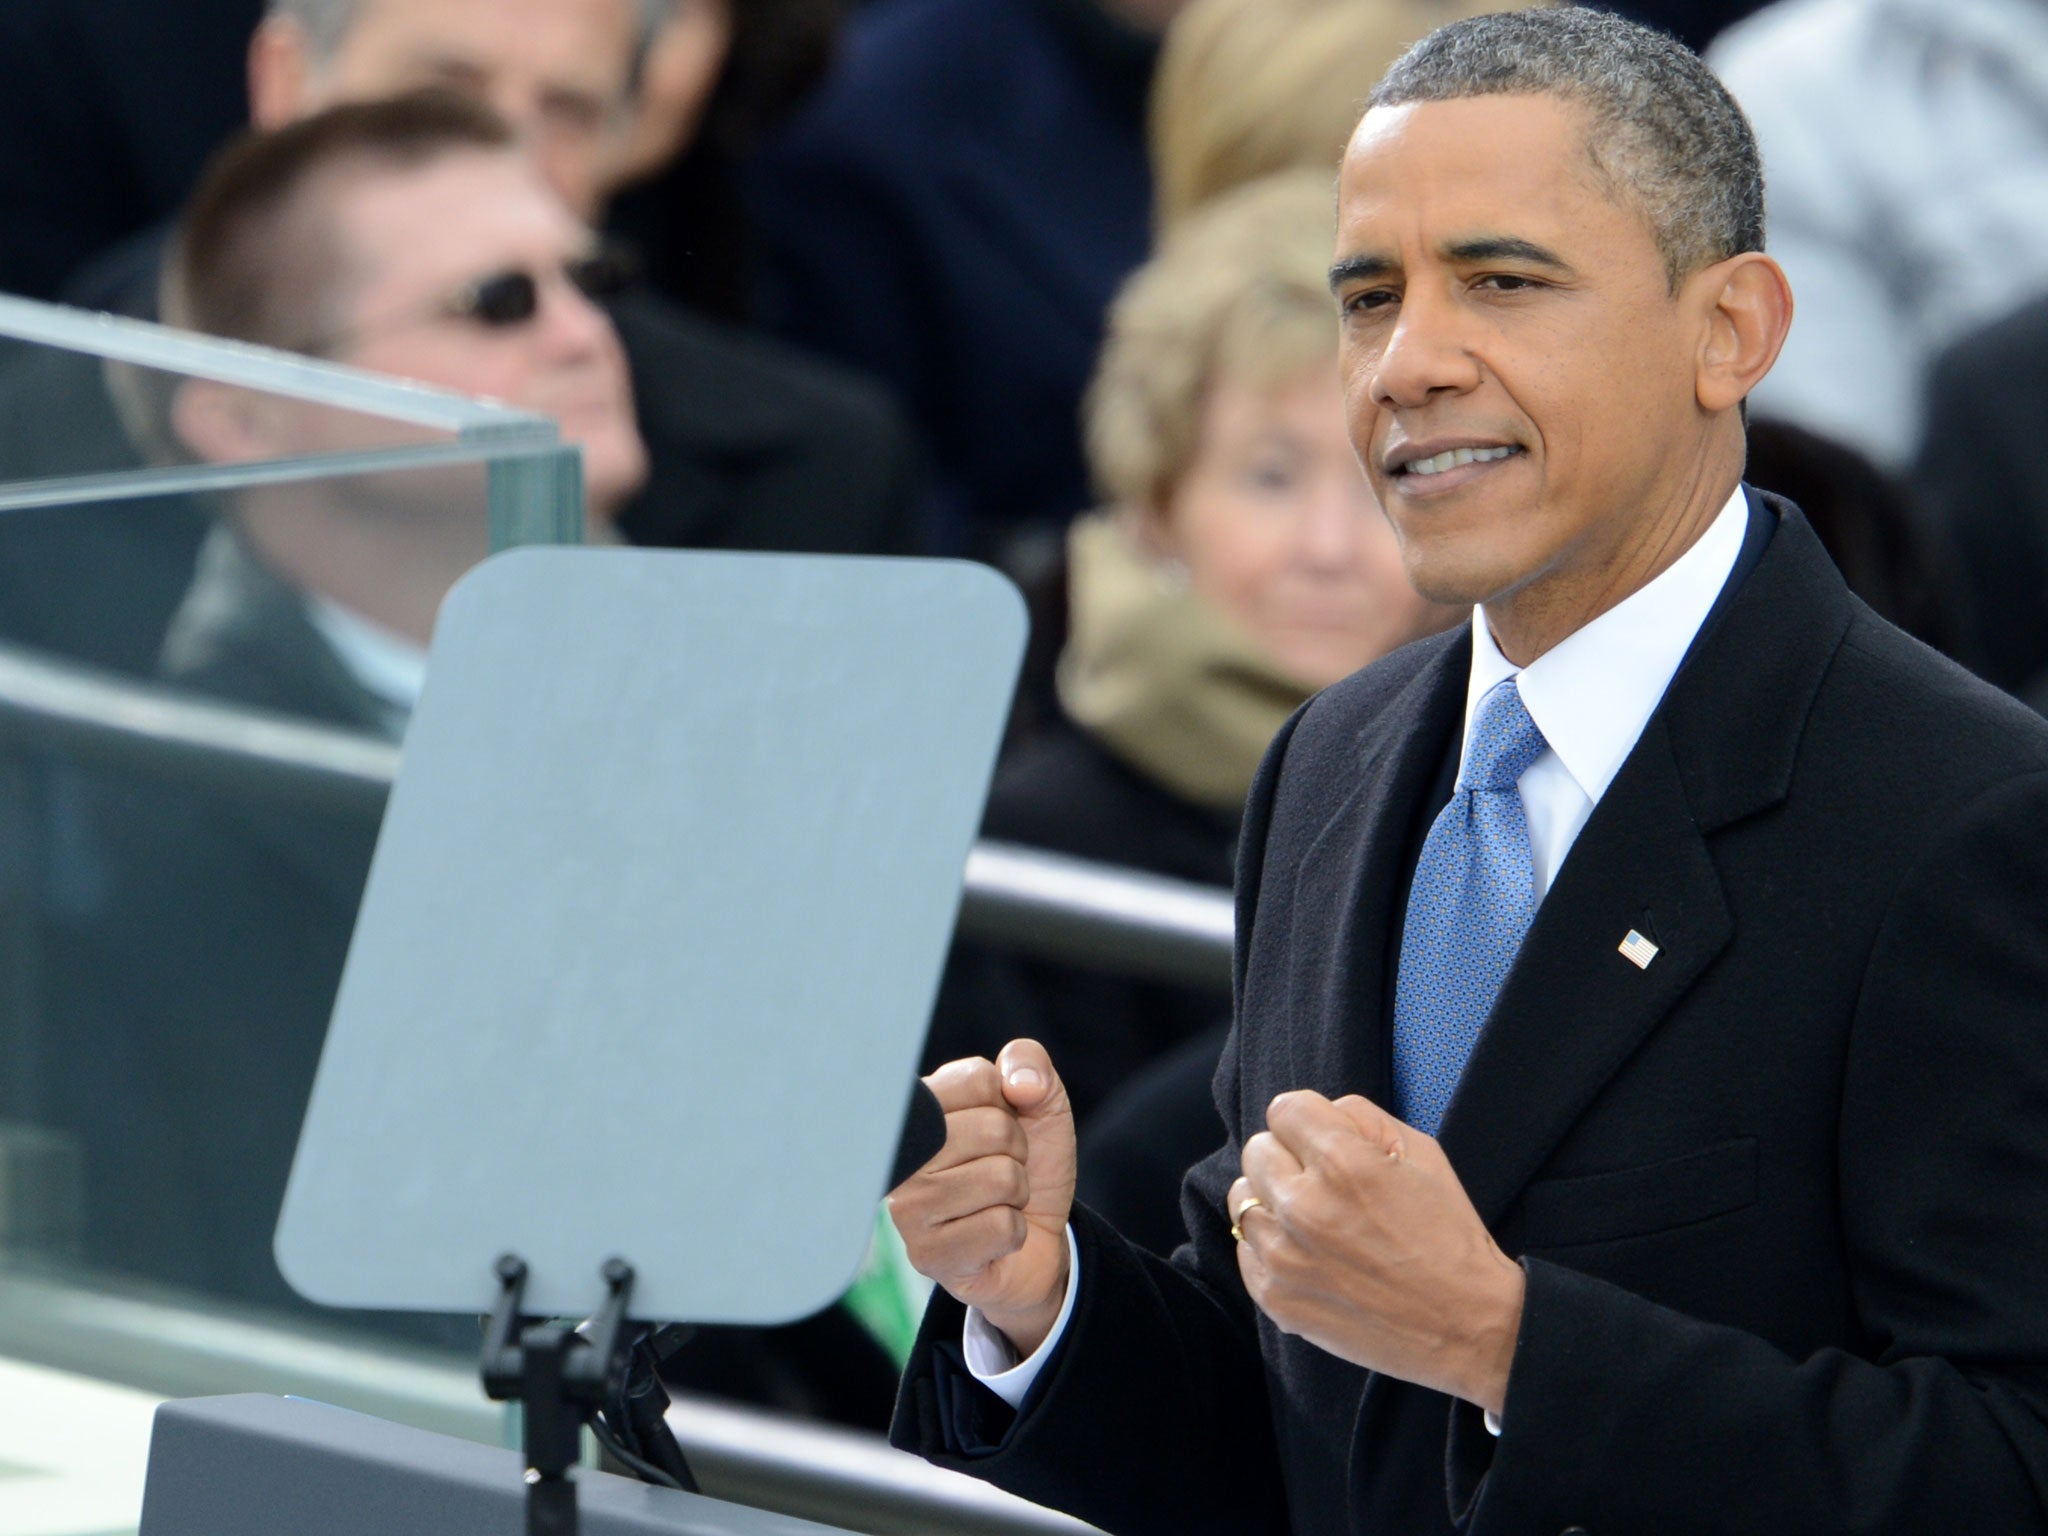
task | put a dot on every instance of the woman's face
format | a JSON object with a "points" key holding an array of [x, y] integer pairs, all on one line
{"points": [[1277, 527]]}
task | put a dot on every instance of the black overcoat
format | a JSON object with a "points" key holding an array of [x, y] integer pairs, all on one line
{"points": [[1782, 1196]]}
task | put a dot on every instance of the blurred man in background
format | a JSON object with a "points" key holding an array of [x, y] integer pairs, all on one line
{"points": [[411, 237], [752, 447], [557, 72], [749, 446]]}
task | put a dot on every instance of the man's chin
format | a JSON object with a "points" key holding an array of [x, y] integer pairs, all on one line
{"points": [[613, 474], [1454, 583]]}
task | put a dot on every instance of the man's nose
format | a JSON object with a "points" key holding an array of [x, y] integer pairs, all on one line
{"points": [[571, 323], [1426, 354]]}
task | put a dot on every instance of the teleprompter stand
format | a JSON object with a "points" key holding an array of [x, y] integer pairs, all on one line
{"points": [[643, 789], [564, 1377]]}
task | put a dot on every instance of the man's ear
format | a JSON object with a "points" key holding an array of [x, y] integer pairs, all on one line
{"points": [[1746, 309], [222, 424], [280, 72]]}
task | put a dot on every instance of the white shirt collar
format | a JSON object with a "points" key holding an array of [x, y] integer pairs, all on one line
{"points": [[386, 663], [1593, 692]]}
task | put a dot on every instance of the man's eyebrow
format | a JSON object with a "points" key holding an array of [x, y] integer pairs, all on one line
{"points": [[1361, 268], [451, 65], [1505, 248]]}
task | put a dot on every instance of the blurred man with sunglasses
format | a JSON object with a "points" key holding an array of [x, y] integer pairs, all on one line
{"points": [[749, 445], [752, 447], [410, 237]]}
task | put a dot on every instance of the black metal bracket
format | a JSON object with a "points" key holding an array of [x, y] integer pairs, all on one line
{"points": [[560, 1375], [637, 1415]]}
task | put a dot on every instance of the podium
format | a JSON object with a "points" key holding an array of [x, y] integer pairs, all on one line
{"points": [[634, 1001], [251, 1465]]}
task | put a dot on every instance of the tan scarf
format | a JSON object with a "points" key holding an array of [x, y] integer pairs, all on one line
{"points": [[1160, 677]]}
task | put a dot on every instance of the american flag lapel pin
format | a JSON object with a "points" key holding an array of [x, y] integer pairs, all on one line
{"points": [[1639, 950]]}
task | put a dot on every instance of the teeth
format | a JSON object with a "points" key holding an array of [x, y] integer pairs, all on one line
{"points": [[1451, 458]]}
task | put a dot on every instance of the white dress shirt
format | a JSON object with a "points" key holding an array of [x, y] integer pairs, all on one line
{"points": [[1590, 695], [387, 664]]}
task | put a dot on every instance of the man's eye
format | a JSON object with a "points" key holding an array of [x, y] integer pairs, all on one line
{"points": [[1370, 299], [1508, 282]]}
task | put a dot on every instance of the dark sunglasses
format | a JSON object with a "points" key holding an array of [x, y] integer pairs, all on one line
{"points": [[513, 297], [503, 299]]}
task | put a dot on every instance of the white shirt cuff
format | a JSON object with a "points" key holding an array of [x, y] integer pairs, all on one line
{"points": [[993, 1359], [1492, 1422]]}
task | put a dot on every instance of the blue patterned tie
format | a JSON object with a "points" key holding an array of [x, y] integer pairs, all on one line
{"points": [[1472, 901]]}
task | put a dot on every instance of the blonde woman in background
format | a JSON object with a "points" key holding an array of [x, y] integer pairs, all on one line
{"points": [[1240, 563]]}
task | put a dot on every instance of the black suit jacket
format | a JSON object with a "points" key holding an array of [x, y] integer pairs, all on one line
{"points": [[1779, 1196]]}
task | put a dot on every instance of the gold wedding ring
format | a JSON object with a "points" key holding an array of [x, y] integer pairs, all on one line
{"points": [[1237, 1222]]}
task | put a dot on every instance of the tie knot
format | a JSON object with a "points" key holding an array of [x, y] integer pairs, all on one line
{"points": [[1505, 741]]}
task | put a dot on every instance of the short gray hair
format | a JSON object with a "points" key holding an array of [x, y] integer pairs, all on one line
{"points": [[1664, 132]]}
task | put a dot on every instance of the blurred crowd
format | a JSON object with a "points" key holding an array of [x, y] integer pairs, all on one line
{"points": [[1036, 282]]}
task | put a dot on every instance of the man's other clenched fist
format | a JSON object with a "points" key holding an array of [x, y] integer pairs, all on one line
{"points": [[987, 1217]]}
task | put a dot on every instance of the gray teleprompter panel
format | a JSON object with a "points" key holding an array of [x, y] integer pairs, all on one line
{"points": [[252, 1465], [653, 931]]}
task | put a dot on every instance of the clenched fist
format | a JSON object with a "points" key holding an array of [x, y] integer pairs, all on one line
{"points": [[1359, 1238], [987, 1217]]}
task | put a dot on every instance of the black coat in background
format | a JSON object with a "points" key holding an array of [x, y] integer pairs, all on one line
{"points": [[1983, 470], [754, 446], [951, 214], [108, 109], [1780, 1196]]}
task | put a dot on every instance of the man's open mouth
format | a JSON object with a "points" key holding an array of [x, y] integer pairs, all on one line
{"points": [[1452, 458]]}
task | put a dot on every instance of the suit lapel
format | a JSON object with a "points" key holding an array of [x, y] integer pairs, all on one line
{"points": [[1351, 876], [1720, 748]]}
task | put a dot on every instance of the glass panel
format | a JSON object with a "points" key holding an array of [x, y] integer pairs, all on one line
{"points": [[68, 413], [29, 329], [218, 566], [122, 444]]}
